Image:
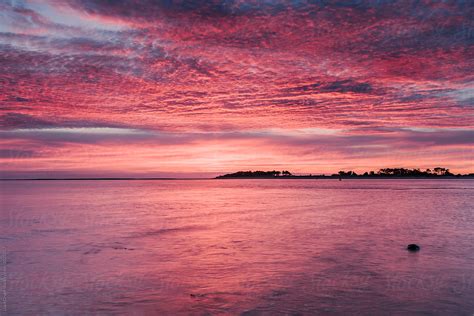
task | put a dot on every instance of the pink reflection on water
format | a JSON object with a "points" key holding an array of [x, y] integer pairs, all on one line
{"points": [[234, 246]]}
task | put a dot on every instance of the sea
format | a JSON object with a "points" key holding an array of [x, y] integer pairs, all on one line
{"points": [[237, 247]]}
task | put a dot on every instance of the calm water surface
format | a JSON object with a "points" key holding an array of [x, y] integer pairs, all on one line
{"points": [[252, 247]]}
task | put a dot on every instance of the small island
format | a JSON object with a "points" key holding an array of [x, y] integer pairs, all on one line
{"points": [[397, 173]]}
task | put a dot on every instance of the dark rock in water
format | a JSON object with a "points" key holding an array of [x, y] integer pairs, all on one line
{"points": [[413, 247], [197, 295]]}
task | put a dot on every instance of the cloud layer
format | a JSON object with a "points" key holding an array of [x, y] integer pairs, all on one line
{"points": [[214, 86]]}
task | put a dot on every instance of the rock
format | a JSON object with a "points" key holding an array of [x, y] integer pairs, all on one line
{"points": [[413, 247], [197, 295]]}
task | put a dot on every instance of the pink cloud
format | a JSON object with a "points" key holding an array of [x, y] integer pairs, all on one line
{"points": [[196, 71]]}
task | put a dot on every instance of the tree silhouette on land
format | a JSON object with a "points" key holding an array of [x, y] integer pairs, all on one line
{"points": [[382, 173]]}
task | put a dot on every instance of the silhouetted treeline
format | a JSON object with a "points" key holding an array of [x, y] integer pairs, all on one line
{"points": [[381, 173], [399, 172], [257, 174]]}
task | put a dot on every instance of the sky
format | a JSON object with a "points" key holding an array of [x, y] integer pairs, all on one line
{"points": [[200, 88]]}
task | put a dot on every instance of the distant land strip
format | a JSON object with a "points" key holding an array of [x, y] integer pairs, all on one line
{"points": [[97, 179], [384, 173]]}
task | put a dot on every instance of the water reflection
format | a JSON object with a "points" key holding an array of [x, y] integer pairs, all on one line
{"points": [[238, 246]]}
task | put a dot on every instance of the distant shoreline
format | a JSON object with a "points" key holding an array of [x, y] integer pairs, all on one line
{"points": [[252, 178], [349, 178], [101, 179], [384, 173]]}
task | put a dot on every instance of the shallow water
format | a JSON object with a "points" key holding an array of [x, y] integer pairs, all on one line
{"points": [[237, 246]]}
